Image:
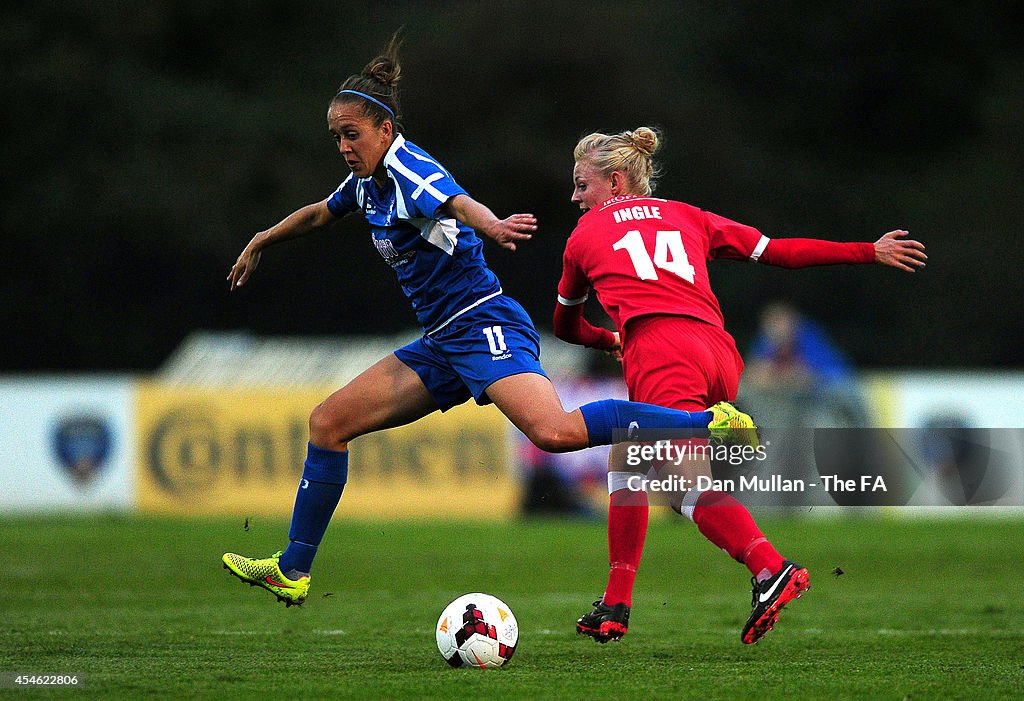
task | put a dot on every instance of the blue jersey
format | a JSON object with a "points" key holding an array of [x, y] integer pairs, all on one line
{"points": [[438, 260]]}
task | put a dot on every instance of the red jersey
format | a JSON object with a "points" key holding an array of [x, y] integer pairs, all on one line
{"points": [[645, 255]]}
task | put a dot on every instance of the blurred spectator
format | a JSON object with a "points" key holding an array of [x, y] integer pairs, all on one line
{"points": [[796, 380], [797, 377]]}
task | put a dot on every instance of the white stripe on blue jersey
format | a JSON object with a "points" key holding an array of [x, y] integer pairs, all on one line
{"points": [[393, 161]]}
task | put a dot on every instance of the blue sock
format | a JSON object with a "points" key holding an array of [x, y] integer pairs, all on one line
{"points": [[323, 480], [603, 417]]}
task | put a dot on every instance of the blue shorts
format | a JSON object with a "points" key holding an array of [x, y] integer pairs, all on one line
{"points": [[489, 342]]}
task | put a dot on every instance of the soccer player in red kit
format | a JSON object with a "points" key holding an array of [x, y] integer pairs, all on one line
{"points": [[646, 258]]}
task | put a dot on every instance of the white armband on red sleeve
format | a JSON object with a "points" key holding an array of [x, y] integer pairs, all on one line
{"points": [[573, 302], [759, 248]]}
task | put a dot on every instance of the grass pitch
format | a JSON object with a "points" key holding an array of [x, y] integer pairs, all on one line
{"points": [[141, 607]]}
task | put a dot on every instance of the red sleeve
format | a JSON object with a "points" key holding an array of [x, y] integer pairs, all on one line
{"points": [[574, 285], [728, 239], [571, 327], [802, 253]]}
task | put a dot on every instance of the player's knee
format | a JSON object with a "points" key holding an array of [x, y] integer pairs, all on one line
{"points": [[329, 429], [554, 439]]}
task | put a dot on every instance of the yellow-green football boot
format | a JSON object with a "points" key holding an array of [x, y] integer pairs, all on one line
{"points": [[267, 573], [731, 426]]}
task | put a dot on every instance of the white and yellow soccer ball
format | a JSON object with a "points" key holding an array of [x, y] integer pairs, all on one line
{"points": [[477, 630]]}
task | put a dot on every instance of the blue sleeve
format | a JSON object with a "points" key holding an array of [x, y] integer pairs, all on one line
{"points": [[820, 355], [424, 185], [762, 349], [344, 200]]}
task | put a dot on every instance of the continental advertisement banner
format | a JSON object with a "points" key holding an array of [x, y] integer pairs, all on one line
{"points": [[214, 451]]}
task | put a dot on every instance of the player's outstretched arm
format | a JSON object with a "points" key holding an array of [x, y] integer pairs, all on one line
{"points": [[299, 223], [506, 232], [892, 249], [898, 252]]}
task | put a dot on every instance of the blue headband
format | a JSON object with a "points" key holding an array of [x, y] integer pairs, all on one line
{"points": [[371, 99]]}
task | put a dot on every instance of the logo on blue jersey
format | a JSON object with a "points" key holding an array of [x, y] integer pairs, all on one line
{"points": [[387, 249]]}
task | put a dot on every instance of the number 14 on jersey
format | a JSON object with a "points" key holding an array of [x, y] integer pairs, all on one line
{"points": [[669, 254]]}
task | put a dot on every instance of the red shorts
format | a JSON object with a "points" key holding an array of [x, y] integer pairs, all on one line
{"points": [[679, 362]]}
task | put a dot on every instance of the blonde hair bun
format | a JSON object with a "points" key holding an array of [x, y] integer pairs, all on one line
{"points": [[645, 140]]}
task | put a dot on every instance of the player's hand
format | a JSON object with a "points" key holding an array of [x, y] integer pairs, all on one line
{"points": [[245, 265], [518, 227], [898, 252], [616, 350]]}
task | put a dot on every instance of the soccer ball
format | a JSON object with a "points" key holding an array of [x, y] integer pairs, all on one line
{"points": [[477, 630]]}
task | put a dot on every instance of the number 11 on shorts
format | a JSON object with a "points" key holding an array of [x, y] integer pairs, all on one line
{"points": [[495, 339]]}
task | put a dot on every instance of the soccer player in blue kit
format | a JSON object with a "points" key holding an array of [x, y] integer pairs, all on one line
{"points": [[477, 342]]}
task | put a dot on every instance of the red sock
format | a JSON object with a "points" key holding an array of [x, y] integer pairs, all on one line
{"points": [[627, 528], [727, 523]]}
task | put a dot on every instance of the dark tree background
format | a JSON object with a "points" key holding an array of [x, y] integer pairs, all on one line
{"points": [[144, 143]]}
